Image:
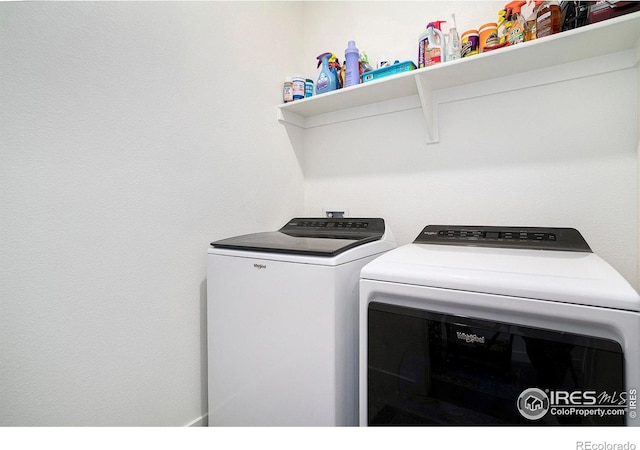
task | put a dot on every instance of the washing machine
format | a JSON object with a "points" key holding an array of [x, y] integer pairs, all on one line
{"points": [[282, 311], [484, 325]]}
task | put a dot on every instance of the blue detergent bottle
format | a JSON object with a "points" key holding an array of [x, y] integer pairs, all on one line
{"points": [[327, 81]]}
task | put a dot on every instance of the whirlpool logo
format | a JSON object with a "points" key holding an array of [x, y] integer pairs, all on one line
{"points": [[470, 338], [260, 266]]}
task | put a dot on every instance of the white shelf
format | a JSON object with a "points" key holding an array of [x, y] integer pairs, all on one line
{"points": [[571, 54]]}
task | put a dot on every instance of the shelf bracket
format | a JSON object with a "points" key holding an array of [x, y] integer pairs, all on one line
{"points": [[291, 117], [429, 109]]}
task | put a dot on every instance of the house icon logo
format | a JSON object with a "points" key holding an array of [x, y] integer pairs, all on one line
{"points": [[533, 403]]}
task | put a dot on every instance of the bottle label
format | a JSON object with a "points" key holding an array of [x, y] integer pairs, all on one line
{"points": [[544, 16], [516, 33], [543, 25], [470, 45], [298, 89], [323, 82], [432, 56], [287, 93]]}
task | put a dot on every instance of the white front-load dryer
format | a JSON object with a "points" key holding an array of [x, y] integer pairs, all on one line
{"points": [[497, 326], [282, 312]]}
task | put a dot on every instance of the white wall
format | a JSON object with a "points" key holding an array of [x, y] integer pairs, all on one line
{"points": [[132, 135], [560, 155]]}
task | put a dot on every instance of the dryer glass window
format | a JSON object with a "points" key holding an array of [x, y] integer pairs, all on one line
{"points": [[426, 368]]}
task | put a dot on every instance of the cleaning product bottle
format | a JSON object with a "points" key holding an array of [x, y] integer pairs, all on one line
{"points": [[529, 13], [549, 19], [287, 90], [297, 86], [518, 24], [365, 66], [327, 80], [352, 58], [423, 41], [453, 44], [502, 23], [336, 69], [434, 51]]}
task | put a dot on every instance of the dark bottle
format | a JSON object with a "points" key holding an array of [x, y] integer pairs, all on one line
{"points": [[548, 19]]}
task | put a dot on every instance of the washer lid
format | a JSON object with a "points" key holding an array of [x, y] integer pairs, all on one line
{"points": [[310, 236]]}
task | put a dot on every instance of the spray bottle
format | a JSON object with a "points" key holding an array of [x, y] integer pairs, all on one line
{"points": [[518, 24], [435, 47], [453, 45], [327, 80]]}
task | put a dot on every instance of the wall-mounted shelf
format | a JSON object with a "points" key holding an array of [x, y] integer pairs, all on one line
{"points": [[571, 54]]}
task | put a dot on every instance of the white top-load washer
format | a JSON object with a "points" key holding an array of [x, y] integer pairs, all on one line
{"points": [[473, 325], [282, 310]]}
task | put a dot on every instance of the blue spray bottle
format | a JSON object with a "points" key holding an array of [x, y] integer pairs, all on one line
{"points": [[327, 80]]}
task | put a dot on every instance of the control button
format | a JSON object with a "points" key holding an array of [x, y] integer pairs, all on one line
{"points": [[538, 236], [492, 235], [551, 237]]}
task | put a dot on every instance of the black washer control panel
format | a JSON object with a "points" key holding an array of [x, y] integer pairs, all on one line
{"points": [[566, 239], [334, 227]]}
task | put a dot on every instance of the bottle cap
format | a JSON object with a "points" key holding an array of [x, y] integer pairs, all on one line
{"points": [[351, 48]]}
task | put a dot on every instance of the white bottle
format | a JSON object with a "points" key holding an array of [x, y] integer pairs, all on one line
{"points": [[453, 43]]}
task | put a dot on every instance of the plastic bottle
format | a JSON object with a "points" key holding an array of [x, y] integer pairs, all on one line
{"points": [[298, 87], [327, 80], [287, 91], [453, 44], [529, 13], [488, 35], [308, 88], [518, 25], [548, 19], [434, 47], [502, 23], [365, 66], [352, 58], [470, 43]]}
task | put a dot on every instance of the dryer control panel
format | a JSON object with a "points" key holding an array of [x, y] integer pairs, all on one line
{"points": [[565, 239]]}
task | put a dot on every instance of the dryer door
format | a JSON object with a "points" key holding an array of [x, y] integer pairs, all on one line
{"points": [[440, 369]]}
